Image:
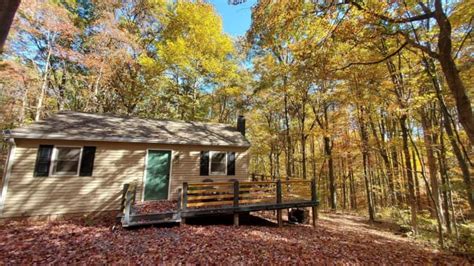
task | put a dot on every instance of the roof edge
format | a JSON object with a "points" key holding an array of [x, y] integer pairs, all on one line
{"points": [[121, 139]]}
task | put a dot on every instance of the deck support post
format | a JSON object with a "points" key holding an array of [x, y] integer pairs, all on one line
{"points": [[236, 202], [314, 212], [124, 194], [184, 204], [179, 207], [236, 219], [128, 206], [278, 201]]}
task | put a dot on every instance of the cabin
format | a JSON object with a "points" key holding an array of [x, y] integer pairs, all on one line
{"points": [[74, 162]]}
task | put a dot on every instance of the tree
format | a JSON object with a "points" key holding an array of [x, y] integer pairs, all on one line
{"points": [[7, 13]]}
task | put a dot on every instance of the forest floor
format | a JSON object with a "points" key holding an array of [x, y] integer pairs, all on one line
{"points": [[337, 239]]}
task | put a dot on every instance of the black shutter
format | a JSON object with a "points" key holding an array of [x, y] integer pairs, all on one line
{"points": [[87, 162], [231, 163], [43, 160], [204, 163]]}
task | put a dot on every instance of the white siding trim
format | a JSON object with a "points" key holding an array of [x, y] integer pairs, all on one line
{"points": [[7, 174]]}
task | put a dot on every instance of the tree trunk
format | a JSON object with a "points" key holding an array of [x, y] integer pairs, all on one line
{"points": [[429, 139], [383, 153], [365, 160], [444, 182], [7, 13], [332, 181], [39, 105], [303, 154], [431, 71], [288, 139], [430, 194], [417, 183], [353, 189], [409, 173], [313, 159], [451, 73]]}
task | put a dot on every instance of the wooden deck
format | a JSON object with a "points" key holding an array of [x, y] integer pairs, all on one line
{"points": [[213, 198]]}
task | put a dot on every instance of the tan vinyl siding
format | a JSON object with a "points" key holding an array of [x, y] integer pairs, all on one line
{"points": [[115, 164]]}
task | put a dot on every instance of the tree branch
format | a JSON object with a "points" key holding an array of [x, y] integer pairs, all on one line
{"points": [[468, 33], [376, 61], [418, 45], [390, 19]]}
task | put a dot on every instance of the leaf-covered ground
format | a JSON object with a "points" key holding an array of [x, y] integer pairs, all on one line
{"points": [[336, 238]]}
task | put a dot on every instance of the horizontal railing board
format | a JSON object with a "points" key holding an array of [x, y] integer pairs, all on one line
{"points": [[210, 203]]}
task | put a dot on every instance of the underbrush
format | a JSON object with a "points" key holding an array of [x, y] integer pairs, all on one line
{"points": [[462, 242]]}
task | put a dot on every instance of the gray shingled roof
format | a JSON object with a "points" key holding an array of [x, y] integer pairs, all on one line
{"points": [[68, 125]]}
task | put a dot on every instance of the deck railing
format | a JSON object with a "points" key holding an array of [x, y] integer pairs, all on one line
{"points": [[195, 199], [220, 194]]}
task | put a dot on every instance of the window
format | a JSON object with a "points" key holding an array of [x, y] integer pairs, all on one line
{"points": [[218, 164], [66, 160]]}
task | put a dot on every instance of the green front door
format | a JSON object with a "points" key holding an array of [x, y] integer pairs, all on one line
{"points": [[157, 175]]}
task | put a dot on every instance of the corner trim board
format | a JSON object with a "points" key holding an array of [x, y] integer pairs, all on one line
{"points": [[7, 174]]}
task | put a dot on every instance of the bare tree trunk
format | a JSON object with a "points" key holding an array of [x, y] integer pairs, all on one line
{"points": [[24, 104], [384, 154], [288, 139], [353, 188], [417, 183], [430, 194], [365, 158], [444, 182], [343, 179], [303, 154], [429, 139], [457, 151], [313, 161], [332, 181], [39, 105], [409, 173]]}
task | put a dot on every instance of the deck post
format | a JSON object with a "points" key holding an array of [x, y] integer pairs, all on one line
{"points": [[184, 205], [178, 208], [124, 194], [314, 198], [236, 202], [278, 201], [128, 208]]}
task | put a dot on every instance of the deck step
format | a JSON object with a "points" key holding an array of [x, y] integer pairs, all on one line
{"points": [[153, 222]]}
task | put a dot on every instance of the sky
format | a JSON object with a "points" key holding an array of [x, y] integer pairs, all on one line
{"points": [[236, 18]]}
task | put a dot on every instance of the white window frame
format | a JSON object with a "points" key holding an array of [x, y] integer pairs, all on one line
{"points": [[210, 163], [54, 158]]}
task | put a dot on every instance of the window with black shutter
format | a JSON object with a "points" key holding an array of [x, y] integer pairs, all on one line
{"points": [[231, 163], [87, 161], [43, 160], [64, 160], [217, 163], [204, 167]]}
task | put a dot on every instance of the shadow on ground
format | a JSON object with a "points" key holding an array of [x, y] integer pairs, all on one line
{"points": [[244, 219]]}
